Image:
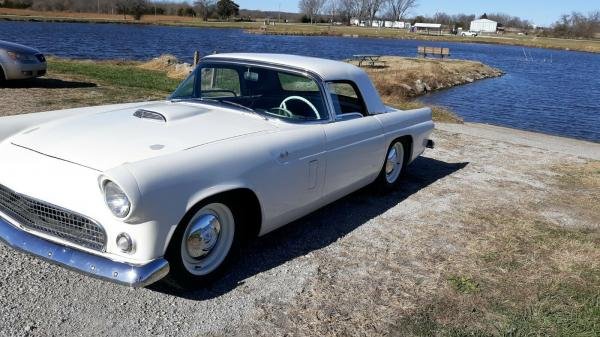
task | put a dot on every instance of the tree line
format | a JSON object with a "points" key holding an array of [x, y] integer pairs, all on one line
{"points": [[345, 10], [204, 9]]}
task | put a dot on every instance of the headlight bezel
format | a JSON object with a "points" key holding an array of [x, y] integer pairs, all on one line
{"points": [[116, 193]]}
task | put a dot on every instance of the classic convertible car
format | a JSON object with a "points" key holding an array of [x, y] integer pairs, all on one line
{"points": [[133, 193]]}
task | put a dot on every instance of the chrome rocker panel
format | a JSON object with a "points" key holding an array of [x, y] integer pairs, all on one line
{"points": [[135, 276]]}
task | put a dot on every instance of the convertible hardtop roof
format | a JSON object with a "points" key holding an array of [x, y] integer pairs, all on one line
{"points": [[328, 70]]}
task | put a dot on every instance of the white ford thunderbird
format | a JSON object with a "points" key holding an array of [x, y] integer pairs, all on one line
{"points": [[132, 193]]}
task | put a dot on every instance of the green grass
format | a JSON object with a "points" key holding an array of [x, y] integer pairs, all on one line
{"points": [[464, 284], [110, 73]]}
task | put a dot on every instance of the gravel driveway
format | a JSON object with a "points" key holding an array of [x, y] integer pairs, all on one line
{"points": [[356, 267]]}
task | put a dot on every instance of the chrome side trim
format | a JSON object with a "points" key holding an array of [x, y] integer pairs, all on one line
{"points": [[135, 276]]}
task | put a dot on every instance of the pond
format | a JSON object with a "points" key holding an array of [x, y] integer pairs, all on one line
{"points": [[550, 91]]}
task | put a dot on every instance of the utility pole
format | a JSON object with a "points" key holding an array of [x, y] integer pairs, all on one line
{"points": [[279, 19]]}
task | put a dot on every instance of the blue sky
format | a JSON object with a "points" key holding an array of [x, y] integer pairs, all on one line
{"points": [[538, 11]]}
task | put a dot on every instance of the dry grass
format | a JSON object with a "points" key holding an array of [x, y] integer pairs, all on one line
{"points": [[168, 64], [521, 274], [409, 77]]}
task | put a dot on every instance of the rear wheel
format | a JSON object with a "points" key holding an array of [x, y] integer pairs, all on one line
{"points": [[202, 245], [393, 167]]}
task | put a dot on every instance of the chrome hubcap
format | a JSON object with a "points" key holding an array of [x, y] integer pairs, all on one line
{"points": [[203, 236], [393, 164], [208, 239]]}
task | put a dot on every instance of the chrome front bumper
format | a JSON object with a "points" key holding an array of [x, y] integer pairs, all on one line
{"points": [[135, 276]]}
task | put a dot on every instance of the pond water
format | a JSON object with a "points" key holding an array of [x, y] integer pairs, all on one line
{"points": [[550, 91]]}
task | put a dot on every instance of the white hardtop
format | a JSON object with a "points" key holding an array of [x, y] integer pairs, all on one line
{"points": [[327, 70]]}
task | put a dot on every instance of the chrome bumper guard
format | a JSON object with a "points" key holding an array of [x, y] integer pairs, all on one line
{"points": [[135, 276]]}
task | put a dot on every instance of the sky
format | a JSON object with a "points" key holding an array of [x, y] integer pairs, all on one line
{"points": [[540, 12]]}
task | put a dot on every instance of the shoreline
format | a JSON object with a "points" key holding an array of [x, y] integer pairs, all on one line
{"points": [[296, 29]]}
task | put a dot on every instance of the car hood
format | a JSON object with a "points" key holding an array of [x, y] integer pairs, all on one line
{"points": [[106, 138], [17, 48]]}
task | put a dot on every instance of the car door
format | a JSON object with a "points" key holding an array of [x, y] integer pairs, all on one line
{"points": [[355, 144]]}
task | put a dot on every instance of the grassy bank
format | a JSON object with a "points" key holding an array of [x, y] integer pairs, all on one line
{"points": [[298, 29], [592, 46]]}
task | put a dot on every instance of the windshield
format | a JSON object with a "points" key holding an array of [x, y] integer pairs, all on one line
{"points": [[282, 94]]}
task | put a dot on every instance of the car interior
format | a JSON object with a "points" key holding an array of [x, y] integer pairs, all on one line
{"points": [[282, 94]]}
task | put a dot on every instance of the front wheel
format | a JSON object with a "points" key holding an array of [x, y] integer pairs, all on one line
{"points": [[202, 245], [393, 167]]}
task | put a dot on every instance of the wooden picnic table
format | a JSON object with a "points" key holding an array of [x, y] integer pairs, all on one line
{"points": [[370, 59]]}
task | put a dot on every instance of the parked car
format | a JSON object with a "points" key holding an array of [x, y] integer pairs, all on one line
{"points": [[132, 193], [18, 62], [469, 33]]}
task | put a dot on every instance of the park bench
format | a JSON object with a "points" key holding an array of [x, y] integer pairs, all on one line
{"points": [[433, 51]]}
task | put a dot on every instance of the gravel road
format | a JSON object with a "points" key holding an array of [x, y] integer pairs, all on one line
{"points": [[356, 267]]}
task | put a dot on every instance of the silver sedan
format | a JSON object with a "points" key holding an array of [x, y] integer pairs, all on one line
{"points": [[18, 62]]}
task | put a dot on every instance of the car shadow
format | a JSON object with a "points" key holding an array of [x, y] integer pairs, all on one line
{"points": [[46, 83], [316, 230]]}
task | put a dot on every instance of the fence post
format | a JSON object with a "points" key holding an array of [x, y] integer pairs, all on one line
{"points": [[196, 58]]}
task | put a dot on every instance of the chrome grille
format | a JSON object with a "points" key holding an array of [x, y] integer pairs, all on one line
{"points": [[52, 220]]}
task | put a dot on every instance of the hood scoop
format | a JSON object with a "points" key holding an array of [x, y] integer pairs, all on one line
{"points": [[152, 115]]}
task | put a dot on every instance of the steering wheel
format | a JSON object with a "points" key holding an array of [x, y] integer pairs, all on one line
{"points": [[283, 104]]}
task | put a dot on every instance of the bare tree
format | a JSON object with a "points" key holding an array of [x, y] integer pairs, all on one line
{"points": [[347, 9], [371, 8], [205, 8], [398, 8], [311, 8]]}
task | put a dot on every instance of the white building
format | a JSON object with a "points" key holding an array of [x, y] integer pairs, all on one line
{"points": [[484, 26]]}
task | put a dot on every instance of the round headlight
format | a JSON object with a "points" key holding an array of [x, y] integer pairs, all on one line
{"points": [[116, 200]]}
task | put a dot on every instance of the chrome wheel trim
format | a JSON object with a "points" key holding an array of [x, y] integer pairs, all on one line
{"points": [[207, 239], [393, 162]]}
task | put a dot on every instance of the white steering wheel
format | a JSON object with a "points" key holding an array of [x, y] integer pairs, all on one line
{"points": [[283, 104]]}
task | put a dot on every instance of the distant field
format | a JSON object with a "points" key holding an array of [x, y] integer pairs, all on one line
{"points": [[300, 29]]}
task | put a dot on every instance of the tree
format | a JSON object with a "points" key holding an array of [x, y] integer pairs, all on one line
{"points": [[205, 8], [135, 8], [311, 8], [484, 16], [347, 9], [227, 9], [398, 8], [371, 8]]}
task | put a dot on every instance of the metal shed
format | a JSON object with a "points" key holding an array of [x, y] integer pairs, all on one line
{"points": [[484, 26]]}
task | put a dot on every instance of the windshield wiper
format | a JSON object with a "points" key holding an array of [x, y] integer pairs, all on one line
{"points": [[238, 105], [212, 100]]}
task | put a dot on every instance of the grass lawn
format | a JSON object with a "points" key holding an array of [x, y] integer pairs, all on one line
{"points": [[123, 74]]}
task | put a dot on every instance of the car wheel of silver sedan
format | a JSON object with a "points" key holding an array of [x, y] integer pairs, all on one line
{"points": [[393, 167], [202, 245]]}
